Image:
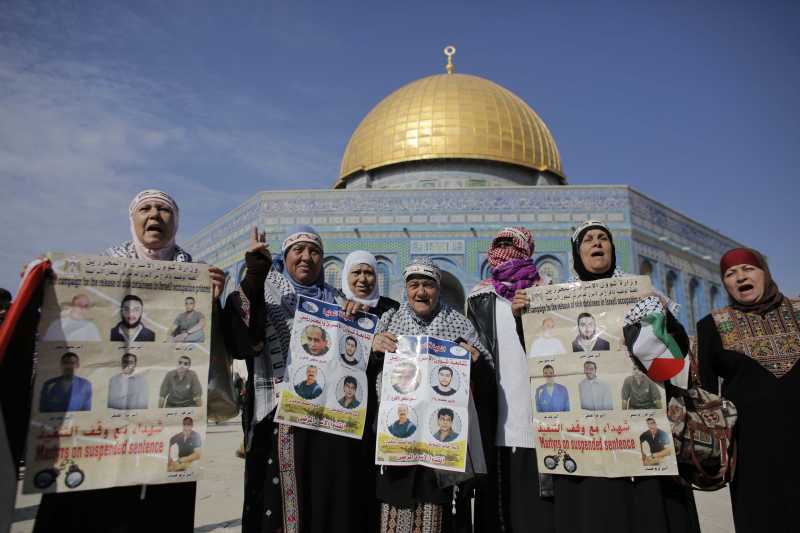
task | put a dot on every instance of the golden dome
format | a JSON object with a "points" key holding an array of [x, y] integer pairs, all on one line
{"points": [[450, 116]]}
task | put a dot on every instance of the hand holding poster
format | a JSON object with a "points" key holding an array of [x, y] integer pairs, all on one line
{"points": [[595, 413], [120, 390], [423, 417], [326, 381]]}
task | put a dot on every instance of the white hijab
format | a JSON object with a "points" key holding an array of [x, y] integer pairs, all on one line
{"points": [[167, 252], [352, 261]]}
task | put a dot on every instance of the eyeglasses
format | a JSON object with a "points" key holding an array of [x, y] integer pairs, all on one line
{"points": [[184, 363]]}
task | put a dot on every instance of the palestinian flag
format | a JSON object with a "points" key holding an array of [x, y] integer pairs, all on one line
{"points": [[649, 340]]}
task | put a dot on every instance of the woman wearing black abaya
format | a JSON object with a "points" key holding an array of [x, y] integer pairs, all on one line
{"points": [[619, 505], [297, 480], [154, 223], [754, 345], [593, 504], [360, 284]]}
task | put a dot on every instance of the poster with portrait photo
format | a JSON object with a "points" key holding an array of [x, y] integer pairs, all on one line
{"points": [[590, 403], [111, 387], [327, 385], [423, 417]]}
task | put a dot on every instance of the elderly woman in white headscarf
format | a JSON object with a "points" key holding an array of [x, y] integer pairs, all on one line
{"points": [[154, 223], [360, 284], [416, 498]]}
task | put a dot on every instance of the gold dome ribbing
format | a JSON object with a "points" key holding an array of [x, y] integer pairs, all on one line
{"points": [[450, 116]]}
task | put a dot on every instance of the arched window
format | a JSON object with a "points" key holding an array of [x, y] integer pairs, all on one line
{"points": [[333, 271], [384, 276], [486, 269], [646, 269], [672, 285], [713, 296], [694, 302], [550, 267]]}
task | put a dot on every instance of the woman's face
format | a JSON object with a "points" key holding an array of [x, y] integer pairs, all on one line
{"points": [[361, 280], [304, 262], [154, 223], [423, 295], [745, 283], [595, 251]]}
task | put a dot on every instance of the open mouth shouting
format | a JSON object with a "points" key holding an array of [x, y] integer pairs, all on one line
{"points": [[746, 290]]}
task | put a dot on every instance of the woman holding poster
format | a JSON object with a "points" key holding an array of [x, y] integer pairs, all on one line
{"points": [[655, 504], [153, 218], [621, 504], [360, 284], [416, 498], [754, 345], [291, 481]]}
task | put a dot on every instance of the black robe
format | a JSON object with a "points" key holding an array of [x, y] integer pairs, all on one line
{"points": [[764, 489], [330, 485]]}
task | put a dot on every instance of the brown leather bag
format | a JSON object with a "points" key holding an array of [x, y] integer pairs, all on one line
{"points": [[702, 430]]}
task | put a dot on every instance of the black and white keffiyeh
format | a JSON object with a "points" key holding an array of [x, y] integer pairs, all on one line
{"points": [[447, 323]]}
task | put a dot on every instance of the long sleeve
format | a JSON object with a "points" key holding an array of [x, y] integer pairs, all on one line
{"points": [[708, 348], [244, 335], [165, 385], [87, 399]]}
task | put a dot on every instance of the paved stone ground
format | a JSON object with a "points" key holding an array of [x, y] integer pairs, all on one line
{"points": [[220, 492]]}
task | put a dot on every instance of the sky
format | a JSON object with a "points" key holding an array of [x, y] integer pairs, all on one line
{"points": [[695, 104]]}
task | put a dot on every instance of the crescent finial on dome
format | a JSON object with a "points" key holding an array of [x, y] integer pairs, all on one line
{"points": [[450, 51]]}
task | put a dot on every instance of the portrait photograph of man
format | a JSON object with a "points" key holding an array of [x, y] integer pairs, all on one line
{"points": [[551, 397], [403, 427], [444, 387], [189, 325], [316, 341], [184, 447], [348, 399], [639, 392], [74, 323], [349, 355], [546, 343], [444, 419], [127, 390], [130, 327], [405, 377], [181, 387], [588, 340], [66, 392], [309, 389], [595, 394], [654, 444]]}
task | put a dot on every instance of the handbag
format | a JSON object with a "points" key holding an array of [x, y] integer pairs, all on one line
{"points": [[702, 430]]}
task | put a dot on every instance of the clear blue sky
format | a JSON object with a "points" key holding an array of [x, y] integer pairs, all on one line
{"points": [[694, 104]]}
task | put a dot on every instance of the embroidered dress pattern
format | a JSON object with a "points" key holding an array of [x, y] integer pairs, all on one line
{"points": [[772, 340], [424, 518], [291, 514]]}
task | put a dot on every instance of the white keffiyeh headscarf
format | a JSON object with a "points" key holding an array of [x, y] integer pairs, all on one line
{"points": [[135, 248]]}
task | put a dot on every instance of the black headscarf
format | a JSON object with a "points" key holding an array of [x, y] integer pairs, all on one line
{"points": [[577, 237]]}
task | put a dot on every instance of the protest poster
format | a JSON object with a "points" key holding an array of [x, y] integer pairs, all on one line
{"points": [[423, 417], [594, 412], [121, 383], [325, 386]]}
